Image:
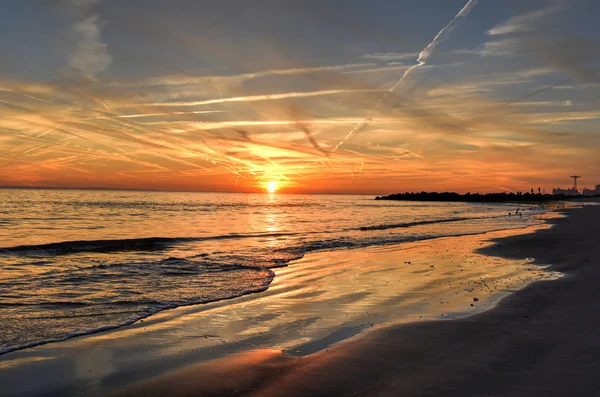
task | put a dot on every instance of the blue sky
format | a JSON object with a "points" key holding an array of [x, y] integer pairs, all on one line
{"points": [[318, 96]]}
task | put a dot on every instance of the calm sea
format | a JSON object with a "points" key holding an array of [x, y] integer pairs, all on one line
{"points": [[74, 261]]}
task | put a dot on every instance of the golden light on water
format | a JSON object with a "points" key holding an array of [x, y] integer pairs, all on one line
{"points": [[272, 187]]}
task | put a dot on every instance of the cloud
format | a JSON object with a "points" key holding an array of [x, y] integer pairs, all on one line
{"points": [[421, 60], [571, 55], [537, 34], [185, 79], [503, 47], [254, 98], [488, 82], [460, 129], [391, 56], [442, 34], [84, 4], [525, 22], [90, 56]]}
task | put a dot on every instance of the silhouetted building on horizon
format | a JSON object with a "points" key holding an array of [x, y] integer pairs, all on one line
{"points": [[591, 192], [573, 191], [567, 192]]}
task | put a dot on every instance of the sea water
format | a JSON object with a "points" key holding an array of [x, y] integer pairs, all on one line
{"points": [[79, 261]]}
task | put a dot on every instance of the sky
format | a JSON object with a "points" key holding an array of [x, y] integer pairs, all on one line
{"points": [[328, 96]]}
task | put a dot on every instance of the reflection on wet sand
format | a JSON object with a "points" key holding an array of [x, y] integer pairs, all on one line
{"points": [[329, 296], [315, 302]]}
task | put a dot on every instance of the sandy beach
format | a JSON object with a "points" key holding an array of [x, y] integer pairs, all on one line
{"points": [[361, 322], [285, 198], [542, 340]]}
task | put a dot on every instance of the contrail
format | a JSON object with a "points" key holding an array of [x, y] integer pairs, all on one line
{"points": [[179, 80], [143, 115], [519, 99], [254, 98], [423, 57], [549, 87], [134, 116]]}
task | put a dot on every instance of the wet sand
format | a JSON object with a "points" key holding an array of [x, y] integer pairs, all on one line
{"points": [[543, 340], [351, 323]]}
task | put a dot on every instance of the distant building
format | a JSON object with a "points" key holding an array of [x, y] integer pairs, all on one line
{"points": [[573, 191], [591, 192], [567, 192], [588, 192]]}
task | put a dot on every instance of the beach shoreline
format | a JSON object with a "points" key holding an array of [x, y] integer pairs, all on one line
{"points": [[541, 340], [122, 363]]}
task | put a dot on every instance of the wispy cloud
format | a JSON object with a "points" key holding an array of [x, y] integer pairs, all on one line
{"points": [[255, 98], [495, 120], [187, 79], [391, 56], [90, 56], [525, 22], [541, 34], [421, 60]]}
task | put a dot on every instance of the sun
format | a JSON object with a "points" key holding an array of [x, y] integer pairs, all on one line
{"points": [[272, 187]]}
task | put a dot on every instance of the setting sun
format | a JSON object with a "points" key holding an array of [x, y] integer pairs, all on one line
{"points": [[272, 187]]}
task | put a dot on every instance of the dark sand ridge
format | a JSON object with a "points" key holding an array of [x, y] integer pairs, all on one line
{"points": [[542, 340]]}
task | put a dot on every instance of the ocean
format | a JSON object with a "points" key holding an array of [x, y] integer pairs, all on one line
{"points": [[73, 262]]}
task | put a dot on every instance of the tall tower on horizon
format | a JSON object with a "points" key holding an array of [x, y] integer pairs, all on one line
{"points": [[575, 177]]}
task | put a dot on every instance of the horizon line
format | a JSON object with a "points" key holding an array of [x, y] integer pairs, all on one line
{"points": [[132, 189]]}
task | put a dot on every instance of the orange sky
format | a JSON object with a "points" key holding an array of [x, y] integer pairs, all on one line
{"points": [[440, 112]]}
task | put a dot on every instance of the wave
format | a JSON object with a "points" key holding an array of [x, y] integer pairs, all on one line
{"points": [[419, 223], [158, 306], [143, 315], [176, 206], [154, 307], [50, 304], [162, 243], [133, 244]]}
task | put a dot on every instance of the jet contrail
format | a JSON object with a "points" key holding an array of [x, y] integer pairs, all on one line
{"points": [[135, 116], [549, 87], [254, 98], [423, 57]]}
